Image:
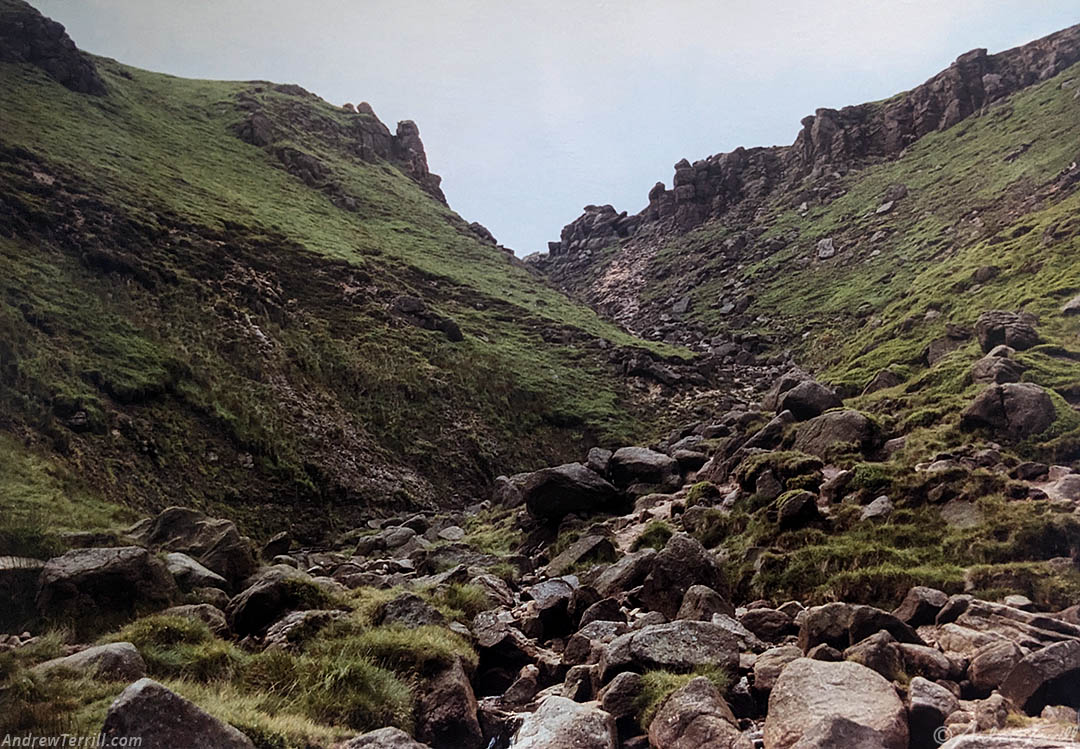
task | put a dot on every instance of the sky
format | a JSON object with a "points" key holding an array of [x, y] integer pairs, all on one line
{"points": [[530, 110]]}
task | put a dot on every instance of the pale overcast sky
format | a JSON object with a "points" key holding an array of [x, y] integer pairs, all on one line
{"points": [[531, 110]]}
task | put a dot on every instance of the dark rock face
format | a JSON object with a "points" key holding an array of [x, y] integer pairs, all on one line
{"points": [[159, 717], [125, 579], [1013, 411], [552, 493], [27, 36], [409, 150]]}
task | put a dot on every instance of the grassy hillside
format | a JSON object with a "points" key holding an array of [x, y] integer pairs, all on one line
{"points": [[989, 221], [184, 319]]}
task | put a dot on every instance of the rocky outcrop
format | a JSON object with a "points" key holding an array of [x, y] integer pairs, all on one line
{"points": [[408, 150], [26, 36], [735, 184]]}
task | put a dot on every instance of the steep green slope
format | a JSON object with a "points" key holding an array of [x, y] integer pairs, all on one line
{"points": [[186, 317], [882, 264]]}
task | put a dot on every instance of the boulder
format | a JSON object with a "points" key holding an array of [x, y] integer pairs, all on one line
{"points": [[552, 493], [809, 399], [587, 549], [271, 593], [604, 610], [207, 613], [295, 628], [880, 508], [677, 646], [997, 327], [928, 662], [1047, 676], [829, 700], [116, 661], [160, 718], [929, 704], [580, 684], [506, 490], [586, 645], [598, 460], [408, 610], [447, 712], [214, 542], [920, 606], [997, 367], [384, 738], [1012, 411], [559, 723], [628, 572], [878, 652], [700, 603], [847, 427], [278, 545], [795, 509], [770, 625], [552, 600], [189, 574], [769, 665], [682, 563], [640, 465], [696, 716], [620, 696], [992, 663], [84, 583]]}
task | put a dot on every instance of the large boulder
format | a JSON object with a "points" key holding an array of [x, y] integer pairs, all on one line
{"points": [[640, 465], [929, 704], [190, 574], [696, 717], [447, 714], [679, 646], [920, 606], [809, 399], [1047, 676], [552, 493], [214, 542], [682, 563], [561, 723], [847, 427], [159, 718], [1013, 411], [273, 592], [408, 610], [997, 327], [629, 572], [116, 661], [120, 581], [824, 700]]}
